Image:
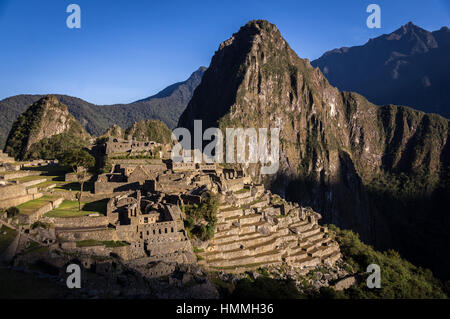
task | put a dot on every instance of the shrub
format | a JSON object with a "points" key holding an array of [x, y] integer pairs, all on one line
{"points": [[12, 212], [399, 278]]}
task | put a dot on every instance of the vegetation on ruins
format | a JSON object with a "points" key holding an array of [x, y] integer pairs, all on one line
{"points": [[138, 156], [40, 224], [106, 243], [199, 215], [152, 130], [12, 212], [70, 209], [31, 206], [81, 162]]}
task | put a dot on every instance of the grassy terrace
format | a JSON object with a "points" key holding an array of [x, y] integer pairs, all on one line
{"points": [[107, 243], [70, 209], [33, 205], [29, 178], [55, 175], [6, 239], [242, 191]]}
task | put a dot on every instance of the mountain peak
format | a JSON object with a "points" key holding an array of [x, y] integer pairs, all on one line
{"points": [[411, 27], [250, 30]]}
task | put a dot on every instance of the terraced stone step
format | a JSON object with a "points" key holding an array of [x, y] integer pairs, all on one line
{"points": [[239, 253], [331, 258], [229, 213], [243, 268], [326, 250], [307, 262], [259, 258], [234, 244], [311, 232], [299, 255]]}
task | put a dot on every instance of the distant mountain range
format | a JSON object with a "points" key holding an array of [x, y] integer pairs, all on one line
{"points": [[410, 66], [166, 106]]}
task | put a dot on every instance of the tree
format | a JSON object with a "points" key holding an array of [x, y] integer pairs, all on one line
{"points": [[81, 162]]}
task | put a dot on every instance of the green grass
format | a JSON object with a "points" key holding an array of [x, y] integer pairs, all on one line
{"points": [[198, 250], [46, 184], [5, 240], [242, 191], [34, 248], [70, 209], [29, 178], [31, 206], [106, 243], [89, 243], [56, 175], [112, 243]]}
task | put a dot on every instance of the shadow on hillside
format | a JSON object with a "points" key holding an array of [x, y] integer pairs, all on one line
{"points": [[97, 206], [407, 218]]}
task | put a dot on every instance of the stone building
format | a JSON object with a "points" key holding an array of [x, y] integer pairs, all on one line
{"points": [[116, 145], [154, 228]]}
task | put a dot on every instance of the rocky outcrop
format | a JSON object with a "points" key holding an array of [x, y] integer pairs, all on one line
{"points": [[339, 153]]}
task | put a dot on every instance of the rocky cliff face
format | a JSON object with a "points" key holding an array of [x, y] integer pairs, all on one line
{"points": [[339, 152], [43, 120]]}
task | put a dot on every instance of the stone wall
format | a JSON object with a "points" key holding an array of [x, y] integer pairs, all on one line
{"points": [[16, 194], [20, 174], [37, 214], [104, 234], [76, 222]]}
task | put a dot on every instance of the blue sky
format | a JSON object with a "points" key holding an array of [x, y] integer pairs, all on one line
{"points": [[128, 50]]}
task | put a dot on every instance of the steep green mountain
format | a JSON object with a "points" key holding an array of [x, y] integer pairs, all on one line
{"points": [[44, 129], [165, 106], [380, 171], [410, 66], [152, 130]]}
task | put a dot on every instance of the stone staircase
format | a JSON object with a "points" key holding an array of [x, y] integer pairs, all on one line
{"points": [[246, 237]]}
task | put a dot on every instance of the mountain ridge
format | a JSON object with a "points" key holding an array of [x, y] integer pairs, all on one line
{"points": [[409, 66], [166, 106]]}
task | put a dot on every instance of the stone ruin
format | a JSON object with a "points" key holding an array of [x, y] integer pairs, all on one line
{"points": [[254, 227], [115, 145]]}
